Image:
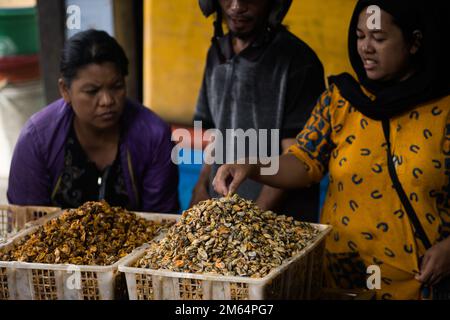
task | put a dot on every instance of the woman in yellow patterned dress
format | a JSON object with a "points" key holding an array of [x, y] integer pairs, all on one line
{"points": [[403, 84]]}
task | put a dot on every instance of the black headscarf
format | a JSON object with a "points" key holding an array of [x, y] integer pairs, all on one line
{"points": [[431, 79]]}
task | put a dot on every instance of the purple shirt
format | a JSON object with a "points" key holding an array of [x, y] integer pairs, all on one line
{"points": [[150, 176]]}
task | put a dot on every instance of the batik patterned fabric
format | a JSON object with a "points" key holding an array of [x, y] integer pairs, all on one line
{"points": [[370, 225], [78, 182]]}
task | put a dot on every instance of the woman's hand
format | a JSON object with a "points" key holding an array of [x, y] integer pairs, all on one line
{"points": [[436, 263], [291, 173], [230, 176]]}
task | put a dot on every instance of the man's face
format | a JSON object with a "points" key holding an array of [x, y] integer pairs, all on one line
{"points": [[245, 17]]}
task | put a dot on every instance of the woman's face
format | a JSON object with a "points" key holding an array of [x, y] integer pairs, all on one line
{"points": [[97, 95], [385, 53]]}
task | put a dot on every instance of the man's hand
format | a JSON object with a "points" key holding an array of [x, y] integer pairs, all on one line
{"points": [[200, 191], [435, 264]]}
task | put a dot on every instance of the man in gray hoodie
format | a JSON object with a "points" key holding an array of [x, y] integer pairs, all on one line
{"points": [[258, 76]]}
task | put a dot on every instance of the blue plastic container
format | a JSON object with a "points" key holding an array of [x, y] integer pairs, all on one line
{"points": [[188, 174]]}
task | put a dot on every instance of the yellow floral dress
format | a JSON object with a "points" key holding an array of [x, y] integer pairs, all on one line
{"points": [[370, 225]]}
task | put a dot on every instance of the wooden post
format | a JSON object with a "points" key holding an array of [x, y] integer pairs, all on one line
{"points": [[128, 26], [51, 19]]}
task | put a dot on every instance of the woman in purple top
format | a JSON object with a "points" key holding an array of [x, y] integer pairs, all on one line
{"points": [[94, 143]]}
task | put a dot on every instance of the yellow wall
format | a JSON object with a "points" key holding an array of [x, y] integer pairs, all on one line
{"points": [[177, 37], [323, 24], [17, 3]]}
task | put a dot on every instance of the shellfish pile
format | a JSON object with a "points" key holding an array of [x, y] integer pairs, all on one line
{"points": [[228, 236], [93, 234]]}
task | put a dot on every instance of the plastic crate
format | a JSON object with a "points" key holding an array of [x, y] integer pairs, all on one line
{"points": [[16, 218], [38, 281], [300, 277]]}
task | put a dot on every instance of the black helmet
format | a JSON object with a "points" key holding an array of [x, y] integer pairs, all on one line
{"points": [[279, 10]]}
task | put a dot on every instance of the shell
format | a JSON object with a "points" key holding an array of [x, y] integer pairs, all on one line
{"points": [[93, 234], [228, 236]]}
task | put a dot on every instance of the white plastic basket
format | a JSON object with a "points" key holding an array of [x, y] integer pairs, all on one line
{"points": [[16, 218], [299, 277], [38, 281]]}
